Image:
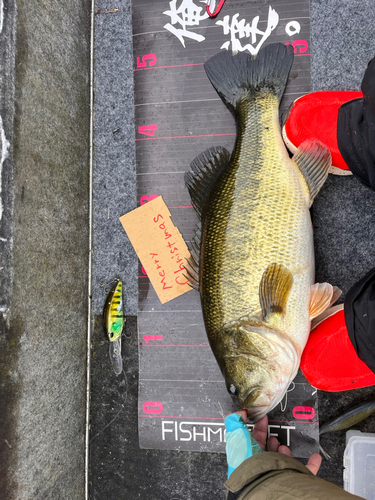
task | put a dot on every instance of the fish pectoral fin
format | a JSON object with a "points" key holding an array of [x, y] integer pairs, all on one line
{"points": [[314, 160], [274, 290], [206, 168], [320, 298]]}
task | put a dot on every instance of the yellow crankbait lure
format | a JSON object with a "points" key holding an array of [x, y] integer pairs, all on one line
{"points": [[113, 316], [113, 312]]}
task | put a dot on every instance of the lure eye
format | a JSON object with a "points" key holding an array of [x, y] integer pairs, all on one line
{"points": [[233, 390]]}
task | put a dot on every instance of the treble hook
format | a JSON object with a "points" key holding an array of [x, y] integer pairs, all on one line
{"points": [[217, 10], [104, 285]]}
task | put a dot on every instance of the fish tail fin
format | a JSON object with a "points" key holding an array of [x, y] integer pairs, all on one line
{"points": [[236, 77]]}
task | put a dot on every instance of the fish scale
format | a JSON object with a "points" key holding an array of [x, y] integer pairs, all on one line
{"points": [[258, 214]]}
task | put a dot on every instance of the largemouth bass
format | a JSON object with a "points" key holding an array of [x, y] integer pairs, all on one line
{"points": [[253, 256]]}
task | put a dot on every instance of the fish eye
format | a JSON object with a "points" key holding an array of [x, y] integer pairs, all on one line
{"points": [[233, 390]]}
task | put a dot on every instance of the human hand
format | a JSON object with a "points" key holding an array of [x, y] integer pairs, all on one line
{"points": [[260, 433], [240, 444]]}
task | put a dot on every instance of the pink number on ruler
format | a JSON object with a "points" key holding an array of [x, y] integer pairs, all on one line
{"points": [[302, 45], [145, 199], [148, 129], [143, 269], [147, 58], [152, 337], [152, 407], [303, 412]]}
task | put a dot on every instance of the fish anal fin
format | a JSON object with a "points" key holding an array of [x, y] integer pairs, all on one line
{"points": [[274, 289], [320, 298], [205, 169], [314, 160]]}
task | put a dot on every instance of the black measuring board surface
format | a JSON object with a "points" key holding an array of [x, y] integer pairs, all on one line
{"points": [[178, 115]]}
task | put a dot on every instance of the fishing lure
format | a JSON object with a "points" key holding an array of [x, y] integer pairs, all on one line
{"points": [[113, 316], [346, 420], [216, 11], [349, 418]]}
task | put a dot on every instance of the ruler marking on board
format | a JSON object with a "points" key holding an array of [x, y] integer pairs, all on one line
{"points": [[159, 49], [196, 100]]}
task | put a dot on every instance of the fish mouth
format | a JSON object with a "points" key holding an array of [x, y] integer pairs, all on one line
{"points": [[262, 400], [258, 408], [255, 413]]}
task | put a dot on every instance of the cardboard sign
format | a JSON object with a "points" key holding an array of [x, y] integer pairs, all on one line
{"points": [[160, 247]]}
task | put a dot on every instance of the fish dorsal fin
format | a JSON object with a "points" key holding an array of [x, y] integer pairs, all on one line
{"points": [[192, 263], [274, 290], [206, 168], [314, 160], [320, 298]]}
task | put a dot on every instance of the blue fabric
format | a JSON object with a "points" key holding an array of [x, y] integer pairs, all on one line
{"points": [[240, 442]]}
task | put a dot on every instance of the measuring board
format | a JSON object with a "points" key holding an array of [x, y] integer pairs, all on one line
{"points": [[178, 115]]}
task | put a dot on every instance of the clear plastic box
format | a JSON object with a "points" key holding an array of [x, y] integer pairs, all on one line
{"points": [[359, 464]]}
